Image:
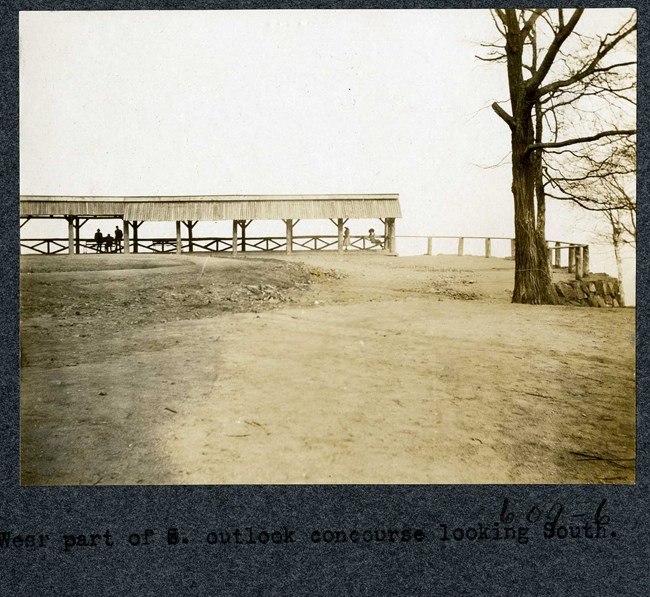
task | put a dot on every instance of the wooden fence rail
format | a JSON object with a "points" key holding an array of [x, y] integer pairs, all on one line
{"points": [[577, 260], [577, 254], [312, 242]]}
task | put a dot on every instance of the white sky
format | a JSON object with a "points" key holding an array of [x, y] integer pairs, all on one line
{"points": [[273, 102]]}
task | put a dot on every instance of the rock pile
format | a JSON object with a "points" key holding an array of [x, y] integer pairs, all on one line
{"points": [[601, 291]]}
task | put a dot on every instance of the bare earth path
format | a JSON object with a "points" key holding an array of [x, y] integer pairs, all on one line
{"points": [[359, 368]]}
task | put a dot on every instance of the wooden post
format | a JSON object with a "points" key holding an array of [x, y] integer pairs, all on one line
{"points": [[461, 242], [578, 263], [242, 227], [572, 258], [179, 240], [585, 260], [289, 224], [234, 238], [125, 226], [339, 226], [136, 225], [190, 233], [549, 253], [70, 236], [77, 234], [488, 247], [513, 248], [393, 236], [558, 255], [429, 246]]}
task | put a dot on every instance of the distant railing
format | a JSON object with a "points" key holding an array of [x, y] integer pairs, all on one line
{"points": [[577, 260], [577, 255]]}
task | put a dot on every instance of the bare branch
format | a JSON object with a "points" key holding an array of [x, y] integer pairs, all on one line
{"points": [[503, 115], [554, 48], [491, 59], [530, 23], [588, 69], [498, 23], [536, 146]]}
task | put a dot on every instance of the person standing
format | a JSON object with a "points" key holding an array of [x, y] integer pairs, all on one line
{"points": [[119, 235], [99, 240], [346, 238], [108, 241]]}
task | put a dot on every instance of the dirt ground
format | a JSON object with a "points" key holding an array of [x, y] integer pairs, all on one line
{"points": [[315, 368]]}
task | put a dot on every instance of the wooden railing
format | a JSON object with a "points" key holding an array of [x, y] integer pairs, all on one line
{"points": [[45, 246], [312, 242], [461, 242], [577, 255], [576, 261]]}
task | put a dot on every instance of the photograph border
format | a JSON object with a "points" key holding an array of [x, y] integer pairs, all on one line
{"points": [[597, 567]]}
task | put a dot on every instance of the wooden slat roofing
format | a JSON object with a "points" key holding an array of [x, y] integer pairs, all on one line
{"points": [[216, 207]]}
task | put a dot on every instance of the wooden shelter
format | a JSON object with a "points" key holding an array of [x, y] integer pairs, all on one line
{"points": [[188, 210]]}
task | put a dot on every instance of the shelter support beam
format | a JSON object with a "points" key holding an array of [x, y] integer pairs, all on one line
{"points": [[558, 255], [70, 235], [289, 224], [243, 224], [234, 237], [488, 247], [77, 241], [136, 225], [389, 236], [190, 234], [461, 248], [127, 234], [393, 236], [339, 226], [78, 223], [179, 238]]}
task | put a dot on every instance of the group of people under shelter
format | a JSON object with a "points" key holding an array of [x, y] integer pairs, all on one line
{"points": [[109, 243], [371, 237]]}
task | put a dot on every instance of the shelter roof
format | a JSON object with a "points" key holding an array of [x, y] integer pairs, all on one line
{"points": [[215, 207]]}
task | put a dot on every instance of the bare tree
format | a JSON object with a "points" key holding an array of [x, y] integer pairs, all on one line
{"points": [[549, 84], [603, 181], [618, 239]]}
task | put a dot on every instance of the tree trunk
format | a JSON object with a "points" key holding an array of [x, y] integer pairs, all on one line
{"points": [[540, 193], [616, 241], [545, 272], [533, 284]]}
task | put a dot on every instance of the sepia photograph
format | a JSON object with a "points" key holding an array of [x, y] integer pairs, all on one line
{"points": [[328, 247]]}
